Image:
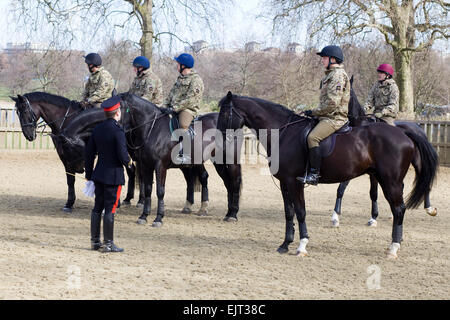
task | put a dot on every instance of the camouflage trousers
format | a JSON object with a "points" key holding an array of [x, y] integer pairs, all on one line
{"points": [[185, 119], [321, 131], [389, 120]]}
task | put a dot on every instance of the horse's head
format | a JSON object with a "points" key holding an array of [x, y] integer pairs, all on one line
{"points": [[27, 117], [229, 117], [355, 110]]}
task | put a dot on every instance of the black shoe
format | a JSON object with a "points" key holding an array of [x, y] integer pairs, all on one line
{"points": [[96, 245], [110, 247], [312, 178]]}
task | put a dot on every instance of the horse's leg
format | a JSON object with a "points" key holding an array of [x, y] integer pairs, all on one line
{"points": [[147, 204], [131, 181], [188, 176], [432, 211], [203, 177], [338, 204], [232, 179], [289, 216], [296, 191], [70, 175], [374, 197], [161, 172], [142, 186], [221, 171], [393, 192]]}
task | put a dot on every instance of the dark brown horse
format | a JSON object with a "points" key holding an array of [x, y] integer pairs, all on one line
{"points": [[378, 149], [57, 112], [357, 117], [155, 149]]}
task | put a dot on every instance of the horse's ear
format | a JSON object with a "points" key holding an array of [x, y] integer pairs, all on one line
{"points": [[229, 95], [20, 98], [351, 81], [14, 99]]}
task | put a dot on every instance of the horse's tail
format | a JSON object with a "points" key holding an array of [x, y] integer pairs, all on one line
{"points": [[425, 172]]}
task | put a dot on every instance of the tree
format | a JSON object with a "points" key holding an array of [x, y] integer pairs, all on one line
{"points": [[153, 18], [407, 26]]}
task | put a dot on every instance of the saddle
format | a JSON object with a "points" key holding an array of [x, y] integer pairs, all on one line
{"points": [[174, 124], [328, 144]]}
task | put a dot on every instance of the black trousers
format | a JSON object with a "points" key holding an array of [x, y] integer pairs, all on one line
{"points": [[106, 197]]}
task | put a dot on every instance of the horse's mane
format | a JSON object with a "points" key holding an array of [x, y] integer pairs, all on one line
{"points": [[269, 104], [53, 99], [356, 108], [136, 101]]}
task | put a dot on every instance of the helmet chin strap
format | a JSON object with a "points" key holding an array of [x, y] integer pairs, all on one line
{"points": [[182, 68], [139, 71], [330, 63], [91, 68]]}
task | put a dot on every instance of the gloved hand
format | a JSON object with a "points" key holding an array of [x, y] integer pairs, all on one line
{"points": [[378, 114], [308, 113], [85, 105], [167, 110]]}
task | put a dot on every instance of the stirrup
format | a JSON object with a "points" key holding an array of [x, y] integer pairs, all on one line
{"points": [[183, 159]]}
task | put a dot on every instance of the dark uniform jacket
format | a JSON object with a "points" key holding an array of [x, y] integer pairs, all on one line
{"points": [[108, 140]]}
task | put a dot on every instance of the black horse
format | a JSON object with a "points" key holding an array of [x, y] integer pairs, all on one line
{"points": [[377, 149], [357, 117], [151, 138], [73, 140], [57, 112]]}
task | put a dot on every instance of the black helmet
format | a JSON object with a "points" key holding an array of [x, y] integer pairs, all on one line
{"points": [[332, 51], [93, 58]]}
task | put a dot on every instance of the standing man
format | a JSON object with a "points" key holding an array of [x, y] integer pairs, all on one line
{"points": [[100, 84], [384, 95], [146, 84], [332, 110], [108, 141], [185, 97]]}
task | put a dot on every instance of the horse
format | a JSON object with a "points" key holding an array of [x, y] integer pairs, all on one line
{"points": [[75, 136], [57, 112], [357, 117], [378, 149], [151, 138]]}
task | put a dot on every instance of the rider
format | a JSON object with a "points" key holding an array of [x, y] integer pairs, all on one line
{"points": [[146, 84], [108, 141], [100, 84], [384, 95], [185, 96], [332, 110]]}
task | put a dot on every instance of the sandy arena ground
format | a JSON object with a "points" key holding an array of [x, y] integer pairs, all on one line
{"points": [[44, 253]]}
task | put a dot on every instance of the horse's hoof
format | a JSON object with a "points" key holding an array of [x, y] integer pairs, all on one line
{"points": [[186, 211], [230, 219], [141, 221], [431, 211], [126, 202], [202, 213], [67, 209], [335, 223], [139, 205], [157, 224], [301, 253], [391, 256], [282, 250], [372, 223]]}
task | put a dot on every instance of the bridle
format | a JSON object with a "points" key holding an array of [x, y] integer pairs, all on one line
{"points": [[34, 118], [131, 144]]}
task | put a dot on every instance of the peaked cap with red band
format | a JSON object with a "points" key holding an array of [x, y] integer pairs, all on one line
{"points": [[111, 104]]}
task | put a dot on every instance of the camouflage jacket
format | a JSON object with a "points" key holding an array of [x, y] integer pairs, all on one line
{"points": [[148, 86], [383, 99], [186, 93], [334, 97], [99, 87]]}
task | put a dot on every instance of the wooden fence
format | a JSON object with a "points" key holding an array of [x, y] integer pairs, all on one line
{"points": [[11, 137]]}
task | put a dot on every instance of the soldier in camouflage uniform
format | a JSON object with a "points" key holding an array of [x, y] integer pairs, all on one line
{"points": [[384, 95], [146, 85], [100, 84], [332, 110], [185, 96]]}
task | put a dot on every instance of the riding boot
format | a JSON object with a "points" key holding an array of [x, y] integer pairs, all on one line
{"points": [[96, 218], [315, 161], [183, 158], [108, 234]]}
